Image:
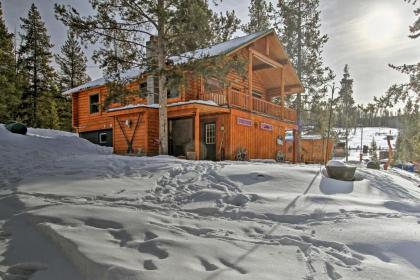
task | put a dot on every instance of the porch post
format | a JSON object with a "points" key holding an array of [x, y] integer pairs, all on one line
{"points": [[295, 134], [250, 80], [282, 93], [197, 134]]}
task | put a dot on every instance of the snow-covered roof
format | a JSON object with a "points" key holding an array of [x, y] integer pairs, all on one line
{"points": [[221, 48], [141, 105], [215, 50], [129, 74]]}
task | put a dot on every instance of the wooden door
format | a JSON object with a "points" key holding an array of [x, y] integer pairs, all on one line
{"points": [[208, 140]]}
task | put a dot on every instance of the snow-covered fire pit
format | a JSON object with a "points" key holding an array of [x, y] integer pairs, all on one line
{"points": [[340, 171]]}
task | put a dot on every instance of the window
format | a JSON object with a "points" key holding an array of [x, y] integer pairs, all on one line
{"points": [[94, 103], [173, 92], [213, 85], [103, 138], [143, 89], [210, 131]]}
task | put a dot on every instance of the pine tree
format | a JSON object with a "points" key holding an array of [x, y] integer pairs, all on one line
{"points": [[9, 95], [259, 16], [72, 73], [34, 65], [408, 141], [124, 26], [373, 150], [72, 63], [346, 105], [298, 23], [408, 144], [222, 27]]}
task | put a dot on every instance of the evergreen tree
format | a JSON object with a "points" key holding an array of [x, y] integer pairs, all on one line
{"points": [[408, 147], [346, 105], [124, 26], [72, 63], [9, 96], [38, 107], [222, 27], [408, 141], [373, 150], [298, 23], [72, 73], [259, 16]]}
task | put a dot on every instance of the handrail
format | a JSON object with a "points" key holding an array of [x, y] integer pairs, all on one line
{"points": [[237, 99]]}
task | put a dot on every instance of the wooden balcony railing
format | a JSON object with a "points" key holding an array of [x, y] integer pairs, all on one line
{"points": [[237, 99]]}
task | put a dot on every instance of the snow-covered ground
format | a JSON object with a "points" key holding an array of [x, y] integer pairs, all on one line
{"points": [[369, 133], [72, 210]]}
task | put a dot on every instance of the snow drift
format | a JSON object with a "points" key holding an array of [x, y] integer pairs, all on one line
{"points": [[72, 210]]}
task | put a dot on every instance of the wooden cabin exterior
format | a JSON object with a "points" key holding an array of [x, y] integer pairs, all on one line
{"points": [[205, 120]]}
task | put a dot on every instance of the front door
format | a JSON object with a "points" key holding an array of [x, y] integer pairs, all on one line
{"points": [[208, 140]]}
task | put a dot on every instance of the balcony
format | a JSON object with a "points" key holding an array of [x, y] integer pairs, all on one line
{"points": [[236, 99]]}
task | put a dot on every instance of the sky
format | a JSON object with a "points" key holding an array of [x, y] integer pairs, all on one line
{"points": [[365, 34]]}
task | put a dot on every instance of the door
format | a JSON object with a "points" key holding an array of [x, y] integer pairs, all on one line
{"points": [[180, 136], [208, 140]]}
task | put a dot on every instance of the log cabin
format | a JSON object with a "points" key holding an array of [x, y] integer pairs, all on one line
{"points": [[207, 119]]}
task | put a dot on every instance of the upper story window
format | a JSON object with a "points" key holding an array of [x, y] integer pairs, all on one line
{"points": [[173, 91], [143, 89], [151, 86], [213, 85], [94, 103]]}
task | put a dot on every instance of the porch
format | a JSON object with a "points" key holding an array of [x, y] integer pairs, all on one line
{"points": [[270, 76], [234, 98]]}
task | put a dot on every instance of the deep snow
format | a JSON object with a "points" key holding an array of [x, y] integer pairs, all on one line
{"points": [[72, 210]]}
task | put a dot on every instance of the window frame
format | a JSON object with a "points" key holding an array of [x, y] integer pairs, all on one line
{"points": [[100, 138], [210, 133], [97, 104], [143, 91]]}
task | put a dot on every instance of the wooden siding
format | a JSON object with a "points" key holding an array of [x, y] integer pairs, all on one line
{"points": [[313, 150], [145, 136], [235, 102], [83, 118], [260, 143]]}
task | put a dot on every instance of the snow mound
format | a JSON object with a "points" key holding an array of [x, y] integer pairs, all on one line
{"points": [[336, 163], [72, 210]]}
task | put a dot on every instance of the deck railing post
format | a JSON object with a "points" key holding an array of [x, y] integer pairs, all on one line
{"points": [[250, 79]]}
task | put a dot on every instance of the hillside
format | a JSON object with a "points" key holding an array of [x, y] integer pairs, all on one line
{"points": [[71, 210]]}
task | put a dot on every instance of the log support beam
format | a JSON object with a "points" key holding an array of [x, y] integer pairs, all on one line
{"points": [[251, 54], [197, 134], [282, 93]]}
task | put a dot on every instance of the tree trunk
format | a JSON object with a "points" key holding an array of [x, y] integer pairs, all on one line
{"points": [[163, 114], [299, 98]]}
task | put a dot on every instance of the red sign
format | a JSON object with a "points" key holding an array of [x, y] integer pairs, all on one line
{"points": [[245, 122], [266, 126]]}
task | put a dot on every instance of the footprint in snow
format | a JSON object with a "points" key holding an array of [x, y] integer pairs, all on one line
{"points": [[207, 265], [22, 271], [149, 265], [233, 266], [150, 246]]}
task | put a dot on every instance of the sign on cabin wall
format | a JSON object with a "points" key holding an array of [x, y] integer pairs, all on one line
{"points": [[245, 122], [266, 126]]}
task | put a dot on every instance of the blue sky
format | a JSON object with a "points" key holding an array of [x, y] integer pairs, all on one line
{"points": [[366, 34]]}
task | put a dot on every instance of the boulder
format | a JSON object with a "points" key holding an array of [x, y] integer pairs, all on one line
{"points": [[16, 127]]}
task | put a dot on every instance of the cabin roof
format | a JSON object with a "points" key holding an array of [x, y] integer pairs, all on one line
{"points": [[212, 51]]}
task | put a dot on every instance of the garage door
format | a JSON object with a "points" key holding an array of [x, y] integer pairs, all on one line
{"points": [[99, 137]]}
